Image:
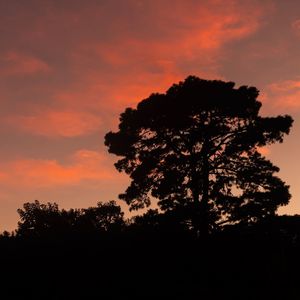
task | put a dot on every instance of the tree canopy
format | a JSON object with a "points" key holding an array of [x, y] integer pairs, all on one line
{"points": [[196, 150]]}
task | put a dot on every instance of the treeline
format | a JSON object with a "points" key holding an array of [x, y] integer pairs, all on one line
{"points": [[96, 253], [47, 220]]}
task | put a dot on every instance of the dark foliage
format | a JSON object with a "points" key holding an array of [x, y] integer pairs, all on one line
{"points": [[150, 260], [47, 220], [195, 149]]}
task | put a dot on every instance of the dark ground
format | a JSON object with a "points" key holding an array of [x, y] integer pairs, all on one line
{"points": [[255, 263]]}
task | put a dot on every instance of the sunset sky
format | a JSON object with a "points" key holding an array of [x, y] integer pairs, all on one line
{"points": [[68, 68]]}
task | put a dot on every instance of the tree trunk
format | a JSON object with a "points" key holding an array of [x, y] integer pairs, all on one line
{"points": [[200, 218], [204, 220], [196, 201], [203, 209]]}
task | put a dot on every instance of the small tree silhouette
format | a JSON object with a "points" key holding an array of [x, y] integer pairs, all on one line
{"points": [[195, 149], [106, 216], [38, 219], [45, 220]]}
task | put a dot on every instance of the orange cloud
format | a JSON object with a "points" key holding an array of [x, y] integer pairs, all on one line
{"points": [[108, 72], [296, 26], [185, 41], [142, 64], [17, 63], [283, 95], [84, 165], [58, 123]]}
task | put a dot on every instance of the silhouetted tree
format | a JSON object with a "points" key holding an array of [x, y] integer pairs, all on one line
{"points": [[106, 216], [195, 148], [39, 219]]}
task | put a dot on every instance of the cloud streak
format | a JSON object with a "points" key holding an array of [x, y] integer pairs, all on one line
{"points": [[283, 96], [14, 63], [83, 166], [57, 123]]}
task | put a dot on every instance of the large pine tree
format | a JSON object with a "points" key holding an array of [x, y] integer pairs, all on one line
{"points": [[196, 150]]}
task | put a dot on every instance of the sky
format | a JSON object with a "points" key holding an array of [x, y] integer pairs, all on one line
{"points": [[68, 68]]}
